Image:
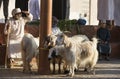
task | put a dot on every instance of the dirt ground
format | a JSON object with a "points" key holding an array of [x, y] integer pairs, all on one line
{"points": [[104, 70]]}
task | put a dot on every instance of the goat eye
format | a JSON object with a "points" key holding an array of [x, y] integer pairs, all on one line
{"points": [[50, 39], [47, 38]]}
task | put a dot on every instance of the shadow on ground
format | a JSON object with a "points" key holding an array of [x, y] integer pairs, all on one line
{"points": [[104, 70]]}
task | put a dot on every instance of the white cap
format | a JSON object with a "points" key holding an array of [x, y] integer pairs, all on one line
{"points": [[15, 11]]}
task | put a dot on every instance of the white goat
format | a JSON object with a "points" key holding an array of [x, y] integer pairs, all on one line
{"points": [[87, 54], [60, 50], [79, 52], [29, 46]]}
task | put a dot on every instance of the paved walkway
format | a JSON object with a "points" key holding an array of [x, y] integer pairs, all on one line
{"points": [[104, 70]]}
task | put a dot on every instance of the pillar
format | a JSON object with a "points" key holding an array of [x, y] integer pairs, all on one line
{"points": [[45, 29]]}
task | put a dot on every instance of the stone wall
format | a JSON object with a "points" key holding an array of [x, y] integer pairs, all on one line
{"points": [[90, 31], [33, 29], [2, 36]]}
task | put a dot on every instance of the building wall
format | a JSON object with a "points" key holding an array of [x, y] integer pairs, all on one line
{"points": [[89, 7], [77, 7], [93, 12]]}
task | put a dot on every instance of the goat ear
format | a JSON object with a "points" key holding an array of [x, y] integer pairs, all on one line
{"points": [[67, 44], [66, 41]]}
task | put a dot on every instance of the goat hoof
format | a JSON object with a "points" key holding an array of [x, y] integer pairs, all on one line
{"points": [[27, 72], [93, 72], [66, 71], [59, 72], [70, 74], [85, 70], [53, 72]]}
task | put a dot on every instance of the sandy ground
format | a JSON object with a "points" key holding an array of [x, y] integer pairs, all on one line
{"points": [[104, 70]]}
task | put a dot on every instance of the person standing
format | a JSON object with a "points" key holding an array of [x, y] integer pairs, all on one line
{"points": [[34, 8], [5, 8], [106, 11], [14, 28], [117, 12], [23, 5]]}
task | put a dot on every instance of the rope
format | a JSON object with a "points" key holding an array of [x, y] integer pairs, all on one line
{"points": [[44, 48]]}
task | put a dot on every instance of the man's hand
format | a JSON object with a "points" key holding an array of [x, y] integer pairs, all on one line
{"points": [[26, 13]]}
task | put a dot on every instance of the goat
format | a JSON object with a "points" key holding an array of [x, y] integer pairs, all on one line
{"points": [[51, 43], [29, 46], [88, 55], [56, 54], [79, 52], [55, 59]]}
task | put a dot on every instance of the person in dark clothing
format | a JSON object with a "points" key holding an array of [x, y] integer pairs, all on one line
{"points": [[5, 8], [81, 21], [23, 5], [61, 9], [103, 34]]}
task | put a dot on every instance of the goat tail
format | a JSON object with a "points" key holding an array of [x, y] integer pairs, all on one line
{"points": [[95, 41], [95, 56]]}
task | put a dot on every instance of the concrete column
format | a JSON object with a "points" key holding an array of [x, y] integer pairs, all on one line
{"points": [[45, 29]]}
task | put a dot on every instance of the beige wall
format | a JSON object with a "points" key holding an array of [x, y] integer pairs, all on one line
{"points": [[93, 13], [78, 7]]}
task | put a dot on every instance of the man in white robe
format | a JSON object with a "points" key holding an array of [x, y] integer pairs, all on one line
{"points": [[14, 28]]}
